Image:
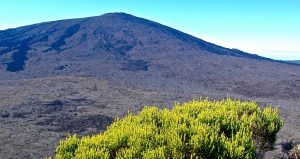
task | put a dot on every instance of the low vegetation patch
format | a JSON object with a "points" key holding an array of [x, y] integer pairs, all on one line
{"points": [[197, 129]]}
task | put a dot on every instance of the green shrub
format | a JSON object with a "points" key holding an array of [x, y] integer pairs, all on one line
{"points": [[197, 129]]}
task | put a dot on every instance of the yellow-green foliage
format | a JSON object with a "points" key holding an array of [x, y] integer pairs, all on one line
{"points": [[197, 129]]}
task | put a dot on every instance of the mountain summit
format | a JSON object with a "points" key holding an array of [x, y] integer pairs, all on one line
{"points": [[117, 34], [124, 47]]}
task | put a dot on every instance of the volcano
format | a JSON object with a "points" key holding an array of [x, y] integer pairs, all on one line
{"points": [[77, 75]]}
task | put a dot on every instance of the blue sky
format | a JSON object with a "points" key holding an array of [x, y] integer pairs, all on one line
{"points": [[269, 28]]}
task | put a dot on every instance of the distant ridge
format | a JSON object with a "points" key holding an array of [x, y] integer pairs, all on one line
{"points": [[293, 61]]}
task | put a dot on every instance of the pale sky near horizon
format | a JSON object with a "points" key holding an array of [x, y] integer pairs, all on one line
{"points": [[270, 28]]}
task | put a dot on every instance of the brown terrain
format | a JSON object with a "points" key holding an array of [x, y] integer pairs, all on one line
{"points": [[76, 76]]}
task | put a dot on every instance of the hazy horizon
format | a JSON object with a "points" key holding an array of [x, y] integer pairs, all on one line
{"points": [[267, 28]]}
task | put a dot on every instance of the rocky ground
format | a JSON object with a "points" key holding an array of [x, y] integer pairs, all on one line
{"points": [[35, 114]]}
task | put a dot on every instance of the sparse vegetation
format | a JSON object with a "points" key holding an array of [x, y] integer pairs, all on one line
{"points": [[197, 129], [291, 149], [295, 153]]}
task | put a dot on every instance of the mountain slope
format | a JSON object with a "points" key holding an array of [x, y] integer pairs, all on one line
{"points": [[53, 35], [123, 47]]}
